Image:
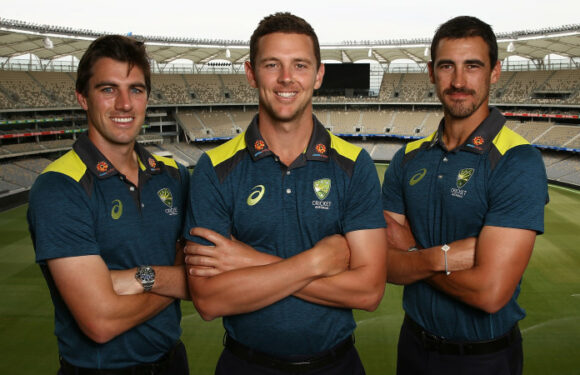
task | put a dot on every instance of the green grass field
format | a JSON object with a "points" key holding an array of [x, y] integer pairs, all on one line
{"points": [[550, 294]]}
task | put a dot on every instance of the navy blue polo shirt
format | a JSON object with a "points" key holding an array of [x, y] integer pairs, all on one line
{"points": [[242, 189], [496, 178], [81, 205]]}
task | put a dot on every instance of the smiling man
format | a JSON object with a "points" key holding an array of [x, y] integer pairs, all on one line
{"points": [[463, 208], [105, 219], [304, 209]]}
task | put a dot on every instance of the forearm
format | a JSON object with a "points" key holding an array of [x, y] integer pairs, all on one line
{"points": [[99, 311], [170, 281], [501, 258], [408, 267], [351, 289], [121, 314], [252, 288]]}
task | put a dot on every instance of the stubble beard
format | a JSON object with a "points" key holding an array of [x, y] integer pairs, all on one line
{"points": [[461, 110]]}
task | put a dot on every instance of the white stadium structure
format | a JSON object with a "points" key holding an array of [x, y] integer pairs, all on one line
{"points": [[200, 96]]}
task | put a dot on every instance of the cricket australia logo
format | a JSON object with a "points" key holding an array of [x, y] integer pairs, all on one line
{"points": [[463, 178], [256, 195], [321, 190], [167, 199]]}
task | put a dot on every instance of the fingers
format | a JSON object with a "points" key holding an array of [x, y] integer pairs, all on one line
{"points": [[208, 235], [200, 271]]}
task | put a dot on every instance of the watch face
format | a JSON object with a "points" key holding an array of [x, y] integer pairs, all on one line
{"points": [[146, 275]]}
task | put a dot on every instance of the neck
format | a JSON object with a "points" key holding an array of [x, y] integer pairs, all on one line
{"points": [[286, 139], [124, 159], [458, 130]]}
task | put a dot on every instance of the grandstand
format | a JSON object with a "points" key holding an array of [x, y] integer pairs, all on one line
{"points": [[194, 106]]}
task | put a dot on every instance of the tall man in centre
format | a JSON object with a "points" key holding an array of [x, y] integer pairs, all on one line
{"points": [[288, 234]]}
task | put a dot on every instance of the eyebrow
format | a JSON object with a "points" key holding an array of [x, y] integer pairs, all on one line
{"points": [[467, 62], [108, 83]]}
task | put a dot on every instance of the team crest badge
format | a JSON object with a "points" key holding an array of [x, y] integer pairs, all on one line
{"points": [[259, 145], [152, 162], [322, 188], [464, 176], [166, 197], [478, 141], [102, 166], [320, 148]]}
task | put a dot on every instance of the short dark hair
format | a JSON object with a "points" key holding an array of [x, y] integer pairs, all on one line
{"points": [[116, 47], [283, 22], [464, 27]]}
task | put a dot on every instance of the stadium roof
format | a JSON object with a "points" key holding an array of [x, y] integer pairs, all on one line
{"points": [[50, 42]]}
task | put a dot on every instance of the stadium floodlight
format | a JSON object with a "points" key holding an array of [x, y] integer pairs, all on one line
{"points": [[426, 52], [511, 47], [228, 53], [47, 43], [370, 53]]}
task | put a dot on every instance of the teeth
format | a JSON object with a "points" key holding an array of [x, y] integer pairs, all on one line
{"points": [[122, 119], [287, 94]]}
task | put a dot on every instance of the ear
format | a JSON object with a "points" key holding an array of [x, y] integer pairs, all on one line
{"points": [[495, 72], [250, 74], [431, 72], [319, 77], [82, 100]]}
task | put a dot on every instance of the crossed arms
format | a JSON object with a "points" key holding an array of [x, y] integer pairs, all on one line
{"points": [[485, 270], [233, 278], [107, 303]]}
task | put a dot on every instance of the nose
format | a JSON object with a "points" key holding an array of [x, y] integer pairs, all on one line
{"points": [[123, 101], [285, 75], [458, 80]]}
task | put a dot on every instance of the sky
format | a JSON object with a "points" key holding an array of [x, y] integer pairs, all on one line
{"points": [[333, 21]]}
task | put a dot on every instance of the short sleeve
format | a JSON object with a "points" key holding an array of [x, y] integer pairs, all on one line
{"points": [[518, 190], [206, 207], [60, 218], [363, 208], [392, 190]]}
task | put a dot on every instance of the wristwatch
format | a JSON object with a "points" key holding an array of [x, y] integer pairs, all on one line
{"points": [[146, 275], [445, 248]]}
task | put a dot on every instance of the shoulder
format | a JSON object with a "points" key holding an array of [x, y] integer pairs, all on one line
{"points": [[70, 164], [344, 148], [227, 151]]}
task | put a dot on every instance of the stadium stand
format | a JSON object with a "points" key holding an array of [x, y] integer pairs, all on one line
{"points": [[192, 111]]}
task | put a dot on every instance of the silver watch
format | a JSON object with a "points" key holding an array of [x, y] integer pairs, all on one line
{"points": [[146, 275]]}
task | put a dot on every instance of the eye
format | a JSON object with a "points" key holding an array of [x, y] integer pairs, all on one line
{"points": [[137, 90], [107, 90]]}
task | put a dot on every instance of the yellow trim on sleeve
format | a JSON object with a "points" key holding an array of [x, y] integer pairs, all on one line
{"points": [[507, 139], [225, 151], [344, 148], [412, 146], [69, 164]]}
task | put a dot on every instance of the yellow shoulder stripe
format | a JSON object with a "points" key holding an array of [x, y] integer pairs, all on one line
{"points": [[225, 151], [411, 146], [69, 164], [344, 148], [507, 138]]}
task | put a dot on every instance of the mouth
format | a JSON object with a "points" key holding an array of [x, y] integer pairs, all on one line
{"points": [[122, 120], [286, 94]]}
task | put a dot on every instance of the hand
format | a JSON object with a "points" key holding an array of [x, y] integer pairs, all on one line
{"points": [[225, 255], [399, 236], [332, 255], [125, 283]]}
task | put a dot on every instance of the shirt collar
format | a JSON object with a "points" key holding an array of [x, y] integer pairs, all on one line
{"points": [[102, 168], [481, 139], [318, 147]]}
